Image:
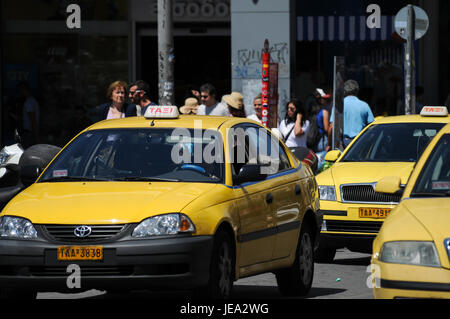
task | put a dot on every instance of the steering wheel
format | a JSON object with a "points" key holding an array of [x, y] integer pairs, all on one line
{"points": [[193, 167]]}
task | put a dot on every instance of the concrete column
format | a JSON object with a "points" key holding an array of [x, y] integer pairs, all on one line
{"points": [[253, 21]]}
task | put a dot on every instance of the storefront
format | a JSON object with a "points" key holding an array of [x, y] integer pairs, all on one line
{"points": [[217, 41]]}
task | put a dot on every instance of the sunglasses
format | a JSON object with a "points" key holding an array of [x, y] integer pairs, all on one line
{"points": [[132, 92]]}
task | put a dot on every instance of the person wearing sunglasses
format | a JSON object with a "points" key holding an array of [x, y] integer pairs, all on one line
{"points": [[210, 106]]}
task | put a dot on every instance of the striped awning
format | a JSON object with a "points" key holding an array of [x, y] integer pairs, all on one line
{"points": [[342, 28]]}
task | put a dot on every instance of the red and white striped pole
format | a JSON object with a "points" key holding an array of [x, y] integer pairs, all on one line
{"points": [[265, 84]]}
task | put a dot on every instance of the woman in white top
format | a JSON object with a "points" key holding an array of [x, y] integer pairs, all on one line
{"points": [[295, 126]]}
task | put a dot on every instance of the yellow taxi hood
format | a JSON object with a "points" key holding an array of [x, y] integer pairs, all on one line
{"points": [[102, 202], [368, 172], [433, 214]]}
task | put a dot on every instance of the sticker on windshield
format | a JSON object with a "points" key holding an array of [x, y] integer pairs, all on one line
{"points": [[441, 185], [60, 173]]}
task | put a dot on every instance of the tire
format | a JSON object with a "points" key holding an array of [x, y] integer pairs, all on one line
{"points": [[297, 280], [221, 276], [325, 255]]}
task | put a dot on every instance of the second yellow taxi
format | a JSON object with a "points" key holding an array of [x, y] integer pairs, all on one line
{"points": [[353, 211]]}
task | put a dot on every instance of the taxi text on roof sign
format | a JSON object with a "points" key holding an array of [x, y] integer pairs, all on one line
{"points": [[161, 112], [434, 111]]}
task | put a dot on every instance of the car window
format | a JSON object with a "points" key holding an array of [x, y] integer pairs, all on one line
{"points": [[139, 154], [435, 176], [254, 144], [399, 142]]}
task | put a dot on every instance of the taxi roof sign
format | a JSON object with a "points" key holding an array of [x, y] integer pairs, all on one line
{"points": [[434, 111], [162, 112]]}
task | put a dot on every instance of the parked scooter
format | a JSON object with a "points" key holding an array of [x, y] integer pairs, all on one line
{"points": [[13, 158]]}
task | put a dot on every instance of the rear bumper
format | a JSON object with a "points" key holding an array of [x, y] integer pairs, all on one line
{"points": [[171, 263]]}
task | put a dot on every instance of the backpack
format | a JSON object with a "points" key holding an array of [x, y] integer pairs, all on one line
{"points": [[313, 135]]}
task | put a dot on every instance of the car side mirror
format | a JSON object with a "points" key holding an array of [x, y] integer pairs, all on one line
{"points": [[389, 185], [250, 173], [332, 156], [29, 174]]}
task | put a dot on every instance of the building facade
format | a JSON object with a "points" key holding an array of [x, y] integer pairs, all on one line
{"points": [[216, 41]]}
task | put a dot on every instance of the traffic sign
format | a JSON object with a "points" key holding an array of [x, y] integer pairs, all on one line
{"points": [[421, 25]]}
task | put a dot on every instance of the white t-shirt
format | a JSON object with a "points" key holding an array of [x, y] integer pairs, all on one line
{"points": [[292, 140], [254, 117], [30, 106], [218, 110]]}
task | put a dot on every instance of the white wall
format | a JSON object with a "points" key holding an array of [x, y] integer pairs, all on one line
{"points": [[251, 23]]}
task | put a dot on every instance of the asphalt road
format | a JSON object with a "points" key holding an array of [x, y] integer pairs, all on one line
{"points": [[345, 278]]}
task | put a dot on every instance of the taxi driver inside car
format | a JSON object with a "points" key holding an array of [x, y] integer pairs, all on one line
{"points": [[82, 180], [353, 211], [412, 250]]}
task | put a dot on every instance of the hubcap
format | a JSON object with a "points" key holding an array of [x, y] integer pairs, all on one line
{"points": [[306, 259], [224, 270]]}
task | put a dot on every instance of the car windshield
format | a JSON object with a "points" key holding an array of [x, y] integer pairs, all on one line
{"points": [[141, 154], [398, 142], [434, 179]]}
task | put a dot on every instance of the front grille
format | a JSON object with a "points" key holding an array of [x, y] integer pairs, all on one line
{"points": [[355, 227], [366, 193], [65, 233], [85, 271]]}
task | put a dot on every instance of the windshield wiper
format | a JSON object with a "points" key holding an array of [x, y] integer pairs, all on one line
{"points": [[72, 179], [145, 179], [437, 194]]}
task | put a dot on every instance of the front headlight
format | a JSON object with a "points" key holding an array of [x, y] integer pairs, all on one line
{"points": [[169, 224], [4, 156], [16, 228], [327, 193], [420, 253]]}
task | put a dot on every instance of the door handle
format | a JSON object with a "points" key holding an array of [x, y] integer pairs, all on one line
{"points": [[269, 198], [298, 190]]}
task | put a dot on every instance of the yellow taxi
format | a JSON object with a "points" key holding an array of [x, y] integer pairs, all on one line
{"points": [[352, 211], [411, 253], [163, 201]]}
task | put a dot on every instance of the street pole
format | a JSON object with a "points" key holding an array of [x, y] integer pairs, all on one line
{"points": [[265, 84], [166, 55], [409, 64], [338, 103]]}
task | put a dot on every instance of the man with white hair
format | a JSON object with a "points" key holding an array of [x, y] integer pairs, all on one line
{"points": [[357, 113]]}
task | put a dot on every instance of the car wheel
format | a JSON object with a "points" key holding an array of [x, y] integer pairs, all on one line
{"points": [[325, 254], [297, 280], [221, 275]]}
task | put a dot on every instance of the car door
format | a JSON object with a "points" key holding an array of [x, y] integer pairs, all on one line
{"points": [[257, 230], [286, 193]]}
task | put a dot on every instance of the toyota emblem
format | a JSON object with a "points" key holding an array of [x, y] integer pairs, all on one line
{"points": [[82, 231]]}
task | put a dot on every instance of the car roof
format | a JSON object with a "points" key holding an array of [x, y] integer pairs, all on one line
{"points": [[412, 119], [184, 121]]}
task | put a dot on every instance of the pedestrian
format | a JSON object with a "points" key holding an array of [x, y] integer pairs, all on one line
{"points": [[295, 126], [235, 103], [323, 119], [210, 105], [192, 91], [30, 114], [117, 107], [190, 106], [139, 96], [357, 113], [257, 106]]}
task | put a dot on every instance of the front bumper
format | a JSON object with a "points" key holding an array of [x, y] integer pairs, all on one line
{"points": [[408, 281], [168, 263], [343, 227]]}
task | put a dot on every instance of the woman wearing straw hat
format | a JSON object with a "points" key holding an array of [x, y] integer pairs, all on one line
{"points": [[235, 102], [190, 106]]}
